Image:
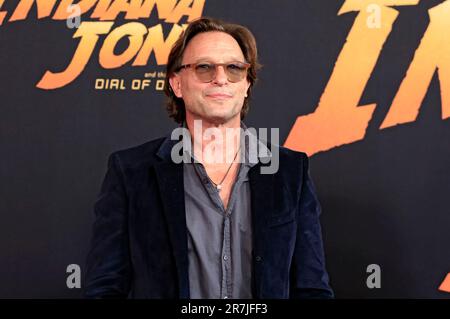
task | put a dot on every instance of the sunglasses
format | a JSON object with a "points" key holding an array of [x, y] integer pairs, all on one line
{"points": [[206, 71]]}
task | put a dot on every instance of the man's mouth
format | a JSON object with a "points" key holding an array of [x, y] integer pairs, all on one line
{"points": [[219, 96]]}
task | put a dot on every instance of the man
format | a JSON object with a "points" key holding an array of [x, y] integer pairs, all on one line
{"points": [[202, 227]]}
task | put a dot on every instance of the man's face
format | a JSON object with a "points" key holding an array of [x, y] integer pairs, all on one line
{"points": [[217, 101]]}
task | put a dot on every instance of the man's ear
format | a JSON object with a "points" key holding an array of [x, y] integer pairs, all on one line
{"points": [[175, 84], [248, 85]]}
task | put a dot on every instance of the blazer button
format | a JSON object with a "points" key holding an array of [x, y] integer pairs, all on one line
{"points": [[258, 258]]}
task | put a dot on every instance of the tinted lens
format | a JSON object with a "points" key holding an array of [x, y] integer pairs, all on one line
{"points": [[235, 71], [204, 68], [205, 71]]}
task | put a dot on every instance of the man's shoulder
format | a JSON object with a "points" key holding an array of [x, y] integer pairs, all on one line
{"points": [[288, 157], [291, 154], [145, 153], [291, 163]]}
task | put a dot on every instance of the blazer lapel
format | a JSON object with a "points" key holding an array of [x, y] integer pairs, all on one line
{"points": [[262, 195], [170, 181]]}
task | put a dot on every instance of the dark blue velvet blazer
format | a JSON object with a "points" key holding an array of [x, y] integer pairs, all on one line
{"points": [[139, 242]]}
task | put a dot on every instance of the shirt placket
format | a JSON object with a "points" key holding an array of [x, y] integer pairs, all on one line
{"points": [[226, 290], [226, 261]]}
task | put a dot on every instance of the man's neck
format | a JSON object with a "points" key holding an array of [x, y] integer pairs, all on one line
{"points": [[215, 143]]}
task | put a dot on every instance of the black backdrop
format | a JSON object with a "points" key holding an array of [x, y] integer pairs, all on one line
{"points": [[384, 198]]}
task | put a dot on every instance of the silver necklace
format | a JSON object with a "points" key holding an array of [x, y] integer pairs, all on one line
{"points": [[219, 185]]}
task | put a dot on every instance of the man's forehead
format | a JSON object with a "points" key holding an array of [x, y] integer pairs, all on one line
{"points": [[212, 45], [215, 36], [221, 58]]}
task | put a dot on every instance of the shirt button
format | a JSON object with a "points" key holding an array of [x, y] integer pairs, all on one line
{"points": [[225, 257], [258, 258]]}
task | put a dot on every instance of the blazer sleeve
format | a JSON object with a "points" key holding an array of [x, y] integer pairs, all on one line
{"points": [[108, 261], [309, 278]]}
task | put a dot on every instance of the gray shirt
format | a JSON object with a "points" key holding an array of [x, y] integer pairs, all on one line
{"points": [[219, 239]]}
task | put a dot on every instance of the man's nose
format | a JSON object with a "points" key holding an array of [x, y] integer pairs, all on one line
{"points": [[221, 76]]}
